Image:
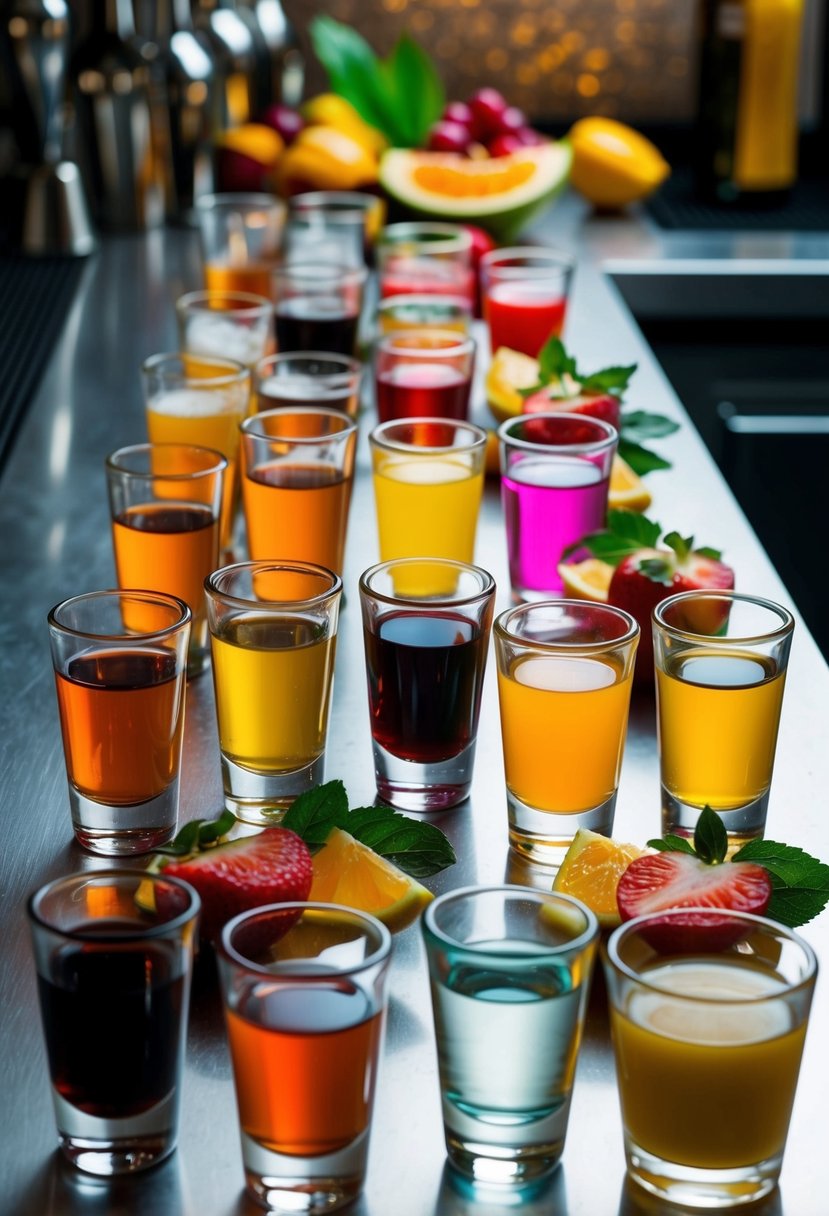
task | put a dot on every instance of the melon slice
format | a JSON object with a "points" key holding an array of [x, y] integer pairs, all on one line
{"points": [[501, 193]]}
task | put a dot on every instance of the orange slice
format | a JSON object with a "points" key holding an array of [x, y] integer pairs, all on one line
{"points": [[587, 580], [591, 870], [627, 490], [509, 371], [348, 872]]}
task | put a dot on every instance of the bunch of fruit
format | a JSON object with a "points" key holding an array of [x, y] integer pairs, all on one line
{"points": [[485, 124]]}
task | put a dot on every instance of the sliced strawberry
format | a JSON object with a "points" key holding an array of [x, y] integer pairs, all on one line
{"points": [[604, 406], [273, 867], [659, 881]]}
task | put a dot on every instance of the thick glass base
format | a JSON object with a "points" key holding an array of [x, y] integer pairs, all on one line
{"points": [[498, 1151], [545, 836], [123, 831], [304, 1185], [742, 824], [263, 798], [108, 1147], [411, 786], [701, 1188]]}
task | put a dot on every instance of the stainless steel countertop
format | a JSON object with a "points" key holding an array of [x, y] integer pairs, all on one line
{"points": [[53, 513]]}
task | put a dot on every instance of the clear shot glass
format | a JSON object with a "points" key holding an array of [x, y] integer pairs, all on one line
{"points": [[721, 660], [304, 996], [241, 235], [165, 502], [525, 292], [565, 669], [309, 378], [225, 325], [555, 476], [113, 951], [427, 259], [344, 209], [510, 972], [426, 628], [273, 628], [120, 660], [708, 1014]]}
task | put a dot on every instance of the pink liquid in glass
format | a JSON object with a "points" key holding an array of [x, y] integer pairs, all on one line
{"points": [[549, 503], [427, 276], [422, 390], [523, 317]]}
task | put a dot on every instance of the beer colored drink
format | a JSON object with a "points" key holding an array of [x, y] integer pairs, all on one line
{"points": [[297, 511]]}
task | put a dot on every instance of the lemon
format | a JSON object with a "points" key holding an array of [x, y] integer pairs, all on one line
{"points": [[348, 872], [509, 371], [612, 164], [627, 490], [587, 580], [255, 140], [331, 110], [591, 870]]}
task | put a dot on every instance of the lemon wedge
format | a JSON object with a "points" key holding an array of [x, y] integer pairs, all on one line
{"points": [[627, 489], [509, 371], [587, 580], [591, 870], [613, 165], [350, 873]]}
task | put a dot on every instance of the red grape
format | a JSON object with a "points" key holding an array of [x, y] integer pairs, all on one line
{"points": [[502, 145], [511, 121], [459, 112], [448, 137], [487, 106], [284, 120]]}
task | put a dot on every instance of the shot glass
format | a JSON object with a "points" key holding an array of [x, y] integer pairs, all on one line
{"points": [[225, 324], [428, 482], [296, 490], [721, 660], [345, 208], [165, 502], [113, 952], [423, 373], [404, 312], [565, 669], [555, 474], [425, 662], [525, 292], [199, 400], [510, 971], [317, 306], [120, 660], [309, 377], [707, 1036], [426, 258], [240, 237], [304, 987], [273, 628]]}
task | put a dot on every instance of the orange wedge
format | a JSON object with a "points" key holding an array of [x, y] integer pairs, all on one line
{"points": [[591, 870], [627, 490], [492, 457], [348, 872], [509, 371], [587, 580]]}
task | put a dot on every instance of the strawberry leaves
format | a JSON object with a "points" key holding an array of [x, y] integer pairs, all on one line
{"points": [[800, 882], [626, 533]]}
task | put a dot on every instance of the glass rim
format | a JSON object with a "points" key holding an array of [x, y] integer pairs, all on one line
{"points": [[140, 933], [783, 630], [532, 894], [112, 466], [558, 259], [249, 304], [280, 358], [262, 567], [357, 201], [457, 344], [314, 274], [425, 299], [233, 372], [761, 922], [379, 438], [348, 428], [239, 198], [377, 956], [436, 236], [611, 435], [562, 646], [441, 601], [156, 597]]}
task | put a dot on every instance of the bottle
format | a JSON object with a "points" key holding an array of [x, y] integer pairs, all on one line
{"points": [[282, 76], [110, 84], [747, 135], [234, 53]]}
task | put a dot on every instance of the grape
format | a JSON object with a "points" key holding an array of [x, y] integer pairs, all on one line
{"points": [[487, 106], [448, 137]]}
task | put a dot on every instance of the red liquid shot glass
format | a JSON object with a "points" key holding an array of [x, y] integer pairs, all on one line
{"points": [[525, 296], [424, 374]]}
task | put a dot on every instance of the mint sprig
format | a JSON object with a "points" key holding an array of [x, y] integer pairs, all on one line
{"points": [[629, 532], [800, 883]]}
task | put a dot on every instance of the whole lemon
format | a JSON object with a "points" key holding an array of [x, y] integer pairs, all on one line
{"points": [[613, 165]]}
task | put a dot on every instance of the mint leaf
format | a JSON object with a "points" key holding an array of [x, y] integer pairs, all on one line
{"points": [[185, 840], [710, 838], [640, 459], [316, 812], [658, 570], [211, 830], [641, 424], [673, 844], [714, 554], [681, 545], [354, 71], [610, 380], [417, 847], [800, 881], [627, 532], [414, 89], [554, 362]]}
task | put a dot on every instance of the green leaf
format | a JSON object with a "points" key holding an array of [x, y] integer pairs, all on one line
{"points": [[681, 545], [673, 844], [316, 812], [641, 424], [627, 532], [640, 459], [800, 881], [710, 837], [415, 91], [211, 830], [793, 907], [554, 362], [610, 379], [658, 570], [184, 842], [417, 847], [714, 554], [355, 72]]}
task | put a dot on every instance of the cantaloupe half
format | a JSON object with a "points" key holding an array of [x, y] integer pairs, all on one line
{"points": [[500, 193]]}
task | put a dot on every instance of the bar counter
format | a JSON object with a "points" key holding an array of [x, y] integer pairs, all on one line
{"points": [[53, 513]]}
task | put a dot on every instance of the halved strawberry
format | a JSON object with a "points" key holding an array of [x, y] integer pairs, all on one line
{"points": [[553, 399], [273, 867], [659, 881]]}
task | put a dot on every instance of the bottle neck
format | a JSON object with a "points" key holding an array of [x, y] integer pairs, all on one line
{"points": [[114, 16]]}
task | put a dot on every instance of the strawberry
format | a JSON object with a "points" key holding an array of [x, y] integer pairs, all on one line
{"points": [[272, 867], [603, 406]]}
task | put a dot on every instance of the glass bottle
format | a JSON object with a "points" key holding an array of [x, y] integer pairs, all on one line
{"points": [[283, 73], [234, 52]]}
